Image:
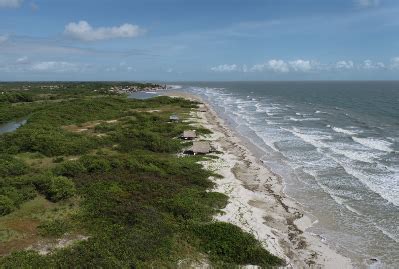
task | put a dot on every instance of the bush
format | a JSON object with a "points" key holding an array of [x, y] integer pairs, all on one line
{"points": [[54, 228], [48, 140], [6, 205], [193, 204], [70, 168], [55, 188], [17, 190], [26, 259], [228, 243], [10, 166], [95, 163]]}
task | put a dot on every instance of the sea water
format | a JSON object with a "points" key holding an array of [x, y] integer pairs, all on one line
{"points": [[336, 144]]}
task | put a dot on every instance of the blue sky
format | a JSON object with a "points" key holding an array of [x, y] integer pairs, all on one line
{"points": [[199, 40]]}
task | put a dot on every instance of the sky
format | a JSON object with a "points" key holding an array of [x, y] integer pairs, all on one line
{"points": [[185, 40]]}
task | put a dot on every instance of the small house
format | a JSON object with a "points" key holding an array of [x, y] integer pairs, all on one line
{"points": [[200, 147], [174, 118], [202, 109], [189, 135]]}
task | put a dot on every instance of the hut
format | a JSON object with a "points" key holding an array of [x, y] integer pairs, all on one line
{"points": [[200, 147], [174, 118], [189, 135], [202, 109]]}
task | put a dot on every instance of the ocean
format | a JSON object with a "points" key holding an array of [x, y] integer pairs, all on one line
{"points": [[336, 144]]}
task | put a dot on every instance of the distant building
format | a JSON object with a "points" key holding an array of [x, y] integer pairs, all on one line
{"points": [[189, 135], [200, 147]]}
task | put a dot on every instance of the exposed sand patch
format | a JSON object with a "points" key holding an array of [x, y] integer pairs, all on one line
{"points": [[45, 247]]}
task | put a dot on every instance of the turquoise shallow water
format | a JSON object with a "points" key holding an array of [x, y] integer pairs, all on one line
{"points": [[337, 146]]}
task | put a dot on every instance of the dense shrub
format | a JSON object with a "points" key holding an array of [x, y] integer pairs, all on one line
{"points": [[55, 188], [95, 163], [194, 204], [15, 191], [10, 166], [228, 243], [15, 97], [70, 168], [26, 259], [54, 228], [46, 140], [6, 205]]}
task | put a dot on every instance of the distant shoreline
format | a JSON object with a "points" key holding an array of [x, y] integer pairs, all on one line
{"points": [[257, 202]]}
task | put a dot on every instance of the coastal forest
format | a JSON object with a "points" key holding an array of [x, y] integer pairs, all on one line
{"points": [[95, 179]]}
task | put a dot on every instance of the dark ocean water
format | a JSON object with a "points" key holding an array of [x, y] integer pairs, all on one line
{"points": [[337, 146]]}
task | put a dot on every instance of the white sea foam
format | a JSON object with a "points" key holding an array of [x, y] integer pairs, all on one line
{"points": [[342, 202], [174, 87], [353, 210], [314, 139], [384, 185], [390, 235], [343, 131], [373, 143], [353, 154], [304, 119]]}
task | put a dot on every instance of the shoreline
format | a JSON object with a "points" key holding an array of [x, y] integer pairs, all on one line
{"points": [[257, 202]]}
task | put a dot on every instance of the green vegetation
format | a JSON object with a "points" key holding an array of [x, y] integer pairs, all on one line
{"points": [[105, 167], [226, 243]]}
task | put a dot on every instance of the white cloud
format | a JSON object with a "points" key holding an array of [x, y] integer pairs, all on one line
{"points": [[225, 68], [258, 67], [22, 60], [84, 31], [10, 3], [344, 65], [3, 38], [278, 66], [302, 65], [395, 63], [273, 65], [370, 65], [282, 66], [367, 3], [55, 67]]}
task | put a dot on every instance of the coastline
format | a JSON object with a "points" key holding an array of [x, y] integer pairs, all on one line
{"points": [[257, 202]]}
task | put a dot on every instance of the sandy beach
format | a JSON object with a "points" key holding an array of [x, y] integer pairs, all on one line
{"points": [[257, 202]]}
